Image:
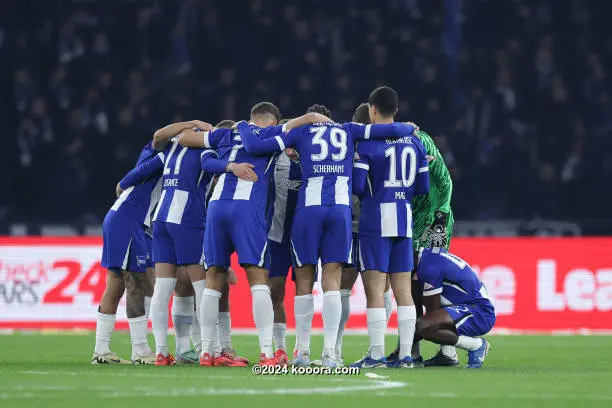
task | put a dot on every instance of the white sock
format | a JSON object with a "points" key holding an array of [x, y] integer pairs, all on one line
{"points": [[331, 313], [279, 330], [182, 318], [377, 325], [196, 335], [448, 351], [225, 330], [263, 315], [388, 304], [105, 324], [303, 309], [147, 301], [159, 313], [196, 332], [345, 298], [406, 322], [138, 335], [469, 343], [209, 311]]}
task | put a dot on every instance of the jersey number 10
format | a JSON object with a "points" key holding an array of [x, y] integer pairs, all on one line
{"points": [[408, 174]]}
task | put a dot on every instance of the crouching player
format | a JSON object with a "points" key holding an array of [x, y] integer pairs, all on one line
{"points": [[126, 255], [458, 308]]}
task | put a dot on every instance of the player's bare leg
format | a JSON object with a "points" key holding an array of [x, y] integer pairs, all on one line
{"points": [[439, 327], [216, 277], [374, 284], [105, 322], [279, 329], [401, 284], [165, 282], [332, 310], [305, 277], [349, 277], [136, 286]]}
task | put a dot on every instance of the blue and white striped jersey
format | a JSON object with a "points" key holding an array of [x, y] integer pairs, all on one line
{"points": [[386, 175], [141, 187], [183, 196], [326, 155], [229, 145], [441, 272], [286, 182]]}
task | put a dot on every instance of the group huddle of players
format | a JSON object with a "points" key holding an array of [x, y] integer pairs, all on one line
{"points": [[370, 197]]}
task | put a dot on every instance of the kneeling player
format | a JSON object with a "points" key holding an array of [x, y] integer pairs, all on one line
{"points": [[457, 304]]}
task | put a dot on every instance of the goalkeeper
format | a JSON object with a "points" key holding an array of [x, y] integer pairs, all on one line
{"points": [[432, 227]]}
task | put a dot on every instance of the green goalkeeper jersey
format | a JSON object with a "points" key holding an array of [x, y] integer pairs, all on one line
{"points": [[438, 199]]}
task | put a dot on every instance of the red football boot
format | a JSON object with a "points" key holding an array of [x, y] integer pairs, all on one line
{"points": [[206, 360], [232, 353], [281, 356], [162, 360], [228, 360], [264, 361]]}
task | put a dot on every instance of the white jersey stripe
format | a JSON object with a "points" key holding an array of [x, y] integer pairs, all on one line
{"points": [[280, 142], [342, 190], [124, 195], [177, 206], [155, 196], [423, 169], [362, 166], [263, 255], [408, 221], [388, 219], [295, 255], [367, 132], [159, 205], [218, 188], [243, 190], [126, 258], [314, 190], [206, 141]]}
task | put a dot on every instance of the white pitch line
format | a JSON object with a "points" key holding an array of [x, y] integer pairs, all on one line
{"points": [[192, 391]]}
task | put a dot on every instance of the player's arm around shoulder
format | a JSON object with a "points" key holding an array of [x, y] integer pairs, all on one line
{"points": [[162, 136]]}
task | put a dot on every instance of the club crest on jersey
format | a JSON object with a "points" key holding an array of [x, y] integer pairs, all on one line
{"points": [[141, 260]]}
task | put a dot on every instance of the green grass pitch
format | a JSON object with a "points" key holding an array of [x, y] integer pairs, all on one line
{"points": [[48, 371]]}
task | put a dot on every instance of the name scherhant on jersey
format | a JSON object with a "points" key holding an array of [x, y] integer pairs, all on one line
{"points": [[328, 168]]}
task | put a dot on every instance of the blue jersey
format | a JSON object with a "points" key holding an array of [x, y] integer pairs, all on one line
{"points": [[326, 155], [386, 175], [286, 182], [228, 144], [183, 196], [448, 275], [141, 187]]}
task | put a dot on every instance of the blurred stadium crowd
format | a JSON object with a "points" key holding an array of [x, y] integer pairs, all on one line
{"points": [[516, 93]]}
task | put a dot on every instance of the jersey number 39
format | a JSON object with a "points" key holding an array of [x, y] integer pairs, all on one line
{"points": [[337, 138]]}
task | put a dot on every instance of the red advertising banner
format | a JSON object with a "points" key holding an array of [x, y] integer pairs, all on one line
{"points": [[538, 284]]}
